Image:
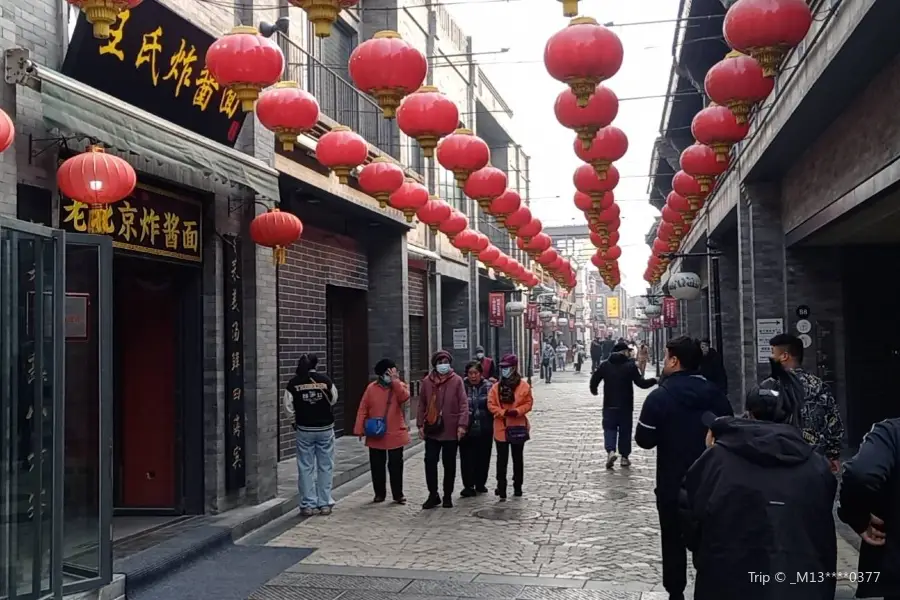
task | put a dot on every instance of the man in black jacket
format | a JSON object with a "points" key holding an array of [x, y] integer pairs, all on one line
{"points": [[713, 367], [759, 502], [671, 421], [870, 504], [618, 373], [596, 353]]}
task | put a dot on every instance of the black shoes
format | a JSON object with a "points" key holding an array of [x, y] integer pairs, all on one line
{"points": [[481, 489], [448, 501], [517, 491], [500, 492], [378, 499], [468, 492], [433, 502]]}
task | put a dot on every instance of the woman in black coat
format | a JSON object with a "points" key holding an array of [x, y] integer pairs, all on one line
{"points": [[870, 504]]}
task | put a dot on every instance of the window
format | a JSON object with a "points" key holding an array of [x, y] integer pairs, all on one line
{"points": [[449, 191]]}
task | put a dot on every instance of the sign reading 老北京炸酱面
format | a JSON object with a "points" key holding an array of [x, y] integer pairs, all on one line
{"points": [[150, 221], [156, 60]]}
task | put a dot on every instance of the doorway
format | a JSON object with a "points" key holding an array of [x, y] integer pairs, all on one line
{"points": [[347, 351], [157, 354]]}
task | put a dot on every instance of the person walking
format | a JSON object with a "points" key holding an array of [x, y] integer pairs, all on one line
{"points": [[310, 397], [475, 448], [381, 420], [670, 421], [713, 367], [820, 417], [579, 357], [442, 419], [619, 374], [870, 504], [596, 353], [760, 500], [510, 401], [488, 365], [643, 357], [548, 356], [561, 351]]}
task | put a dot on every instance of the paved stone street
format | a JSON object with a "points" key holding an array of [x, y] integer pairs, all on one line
{"points": [[578, 525]]}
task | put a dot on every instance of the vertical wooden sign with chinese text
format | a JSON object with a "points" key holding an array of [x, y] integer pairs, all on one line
{"points": [[497, 309], [235, 452]]}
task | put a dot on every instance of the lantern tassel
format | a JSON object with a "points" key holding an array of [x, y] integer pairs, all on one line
{"points": [[279, 255], [97, 219]]}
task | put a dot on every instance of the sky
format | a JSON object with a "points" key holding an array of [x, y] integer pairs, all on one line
{"points": [[520, 77]]}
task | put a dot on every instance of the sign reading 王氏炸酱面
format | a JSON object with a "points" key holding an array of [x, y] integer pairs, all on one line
{"points": [[156, 60]]}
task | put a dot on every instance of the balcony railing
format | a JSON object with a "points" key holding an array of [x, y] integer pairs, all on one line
{"points": [[344, 103]]}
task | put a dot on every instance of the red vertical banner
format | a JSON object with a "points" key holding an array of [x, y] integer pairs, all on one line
{"points": [[531, 316], [571, 324], [670, 312], [655, 323], [496, 309]]}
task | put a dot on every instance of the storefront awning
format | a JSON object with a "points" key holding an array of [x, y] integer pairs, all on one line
{"points": [[74, 107]]}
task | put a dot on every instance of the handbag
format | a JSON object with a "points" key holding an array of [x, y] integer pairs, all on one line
{"points": [[376, 427], [516, 434], [437, 427]]}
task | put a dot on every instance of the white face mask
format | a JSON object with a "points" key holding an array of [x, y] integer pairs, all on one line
{"points": [[479, 355], [386, 379], [505, 372], [443, 368]]}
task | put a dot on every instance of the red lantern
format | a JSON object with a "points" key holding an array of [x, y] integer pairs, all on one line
{"points": [[97, 179], [767, 29], [600, 111], [484, 185], [245, 62], [610, 254], [738, 82], [687, 186], [583, 55], [700, 162], [518, 219], [530, 229], [609, 145], [7, 131], [381, 178], [288, 111], [660, 247], [342, 150], [547, 257], [665, 231], [489, 255], [583, 202], [435, 212], [588, 181], [276, 229], [682, 207], [427, 115], [670, 215], [717, 127], [388, 68], [463, 153], [409, 198], [454, 224], [604, 240], [323, 13], [501, 262], [504, 205], [480, 242], [463, 241], [536, 244], [101, 14]]}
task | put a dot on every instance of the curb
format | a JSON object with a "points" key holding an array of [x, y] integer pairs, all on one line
{"points": [[149, 566]]}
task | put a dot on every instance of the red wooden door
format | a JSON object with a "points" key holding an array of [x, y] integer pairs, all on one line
{"points": [[146, 321]]}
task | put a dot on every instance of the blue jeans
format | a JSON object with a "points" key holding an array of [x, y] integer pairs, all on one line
{"points": [[315, 468], [617, 424]]}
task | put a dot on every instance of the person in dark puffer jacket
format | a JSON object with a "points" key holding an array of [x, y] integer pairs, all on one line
{"points": [[475, 448]]}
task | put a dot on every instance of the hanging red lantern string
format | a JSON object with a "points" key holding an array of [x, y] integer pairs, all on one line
{"points": [[700, 162], [520, 218], [101, 14], [767, 29], [323, 13], [680, 205], [7, 131], [587, 181], [485, 185], [738, 82], [381, 178], [601, 110], [454, 224], [717, 127], [489, 255], [427, 115], [409, 198], [504, 205], [342, 150], [276, 229], [97, 179], [583, 55], [463, 153], [601, 241], [593, 215], [287, 111], [530, 229], [609, 145], [388, 68], [245, 62], [435, 212], [690, 188], [480, 242], [465, 241]]}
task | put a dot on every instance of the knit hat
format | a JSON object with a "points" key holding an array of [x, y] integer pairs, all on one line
{"points": [[384, 365], [439, 355], [509, 360], [479, 349], [620, 346]]}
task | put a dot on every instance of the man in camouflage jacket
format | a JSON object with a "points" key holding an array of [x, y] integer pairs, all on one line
{"points": [[820, 418]]}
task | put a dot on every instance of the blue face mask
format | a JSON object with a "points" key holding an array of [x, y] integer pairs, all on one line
{"points": [[443, 368], [386, 379], [505, 372]]}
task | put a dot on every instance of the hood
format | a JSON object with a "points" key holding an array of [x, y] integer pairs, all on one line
{"points": [[761, 442], [618, 358], [692, 389], [479, 349]]}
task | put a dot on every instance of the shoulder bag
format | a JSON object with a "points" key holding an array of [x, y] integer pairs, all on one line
{"points": [[376, 427], [516, 434], [437, 427]]}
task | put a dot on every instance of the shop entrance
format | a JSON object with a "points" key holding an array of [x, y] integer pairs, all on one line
{"points": [[156, 349], [347, 351]]}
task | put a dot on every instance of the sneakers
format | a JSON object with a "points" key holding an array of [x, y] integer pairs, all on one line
{"points": [[307, 512], [626, 462], [468, 492], [611, 458], [448, 501], [400, 500], [432, 502], [325, 511]]}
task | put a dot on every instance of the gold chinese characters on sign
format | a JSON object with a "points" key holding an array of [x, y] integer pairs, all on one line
{"points": [[150, 221]]}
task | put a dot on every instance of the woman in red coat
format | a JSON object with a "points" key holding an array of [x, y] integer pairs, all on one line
{"points": [[385, 399]]}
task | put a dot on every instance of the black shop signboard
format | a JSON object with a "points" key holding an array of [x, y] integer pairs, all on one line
{"points": [[235, 451], [156, 60]]}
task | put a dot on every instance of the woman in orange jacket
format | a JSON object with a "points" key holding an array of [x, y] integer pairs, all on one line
{"points": [[510, 400], [384, 401]]}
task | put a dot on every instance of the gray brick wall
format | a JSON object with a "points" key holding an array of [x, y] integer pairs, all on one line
{"points": [[732, 343], [455, 315], [389, 301]]}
